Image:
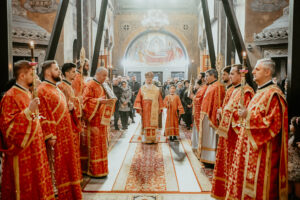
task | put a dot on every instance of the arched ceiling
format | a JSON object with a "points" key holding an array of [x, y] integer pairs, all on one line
{"points": [[130, 6]]}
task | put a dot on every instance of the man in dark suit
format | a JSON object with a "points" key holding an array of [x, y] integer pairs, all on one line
{"points": [[118, 92], [135, 87]]}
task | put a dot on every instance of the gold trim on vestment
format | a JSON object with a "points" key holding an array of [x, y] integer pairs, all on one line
{"points": [[98, 175], [220, 179], [48, 121], [59, 102], [283, 193], [99, 160], [17, 177], [245, 168], [62, 115], [69, 183], [208, 149], [28, 131], [217, 197], [207, 161], [89, 146], [152, 93], [249, 188], [33, 135], [9, 128], [51, 197], [28, 114], [267, 177], [22, 90], [95, 110]]}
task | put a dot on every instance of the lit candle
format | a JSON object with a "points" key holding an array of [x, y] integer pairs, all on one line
{"points": [[31, 49], [244, 54], [244, 59]]}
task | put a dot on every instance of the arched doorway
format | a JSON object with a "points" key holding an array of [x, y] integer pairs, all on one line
{"points": [[157, 51]]}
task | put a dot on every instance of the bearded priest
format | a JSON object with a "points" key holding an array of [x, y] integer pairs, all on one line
{"points": [[149, 104]]}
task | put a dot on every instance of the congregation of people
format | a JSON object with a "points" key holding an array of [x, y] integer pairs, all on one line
{"points": [[56, 128]]}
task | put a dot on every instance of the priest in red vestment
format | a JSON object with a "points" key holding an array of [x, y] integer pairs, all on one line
{"points": [[228, 131], [212, 101], [26, 172], [197, 101], [69, 72], [149, 104], [58, 131], [97, 111], [173, 104], [259, 169]]}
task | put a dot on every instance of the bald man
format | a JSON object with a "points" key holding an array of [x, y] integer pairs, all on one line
{"points": [[94, 145]]}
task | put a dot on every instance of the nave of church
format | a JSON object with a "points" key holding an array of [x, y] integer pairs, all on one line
{"points": [[149, 99]]}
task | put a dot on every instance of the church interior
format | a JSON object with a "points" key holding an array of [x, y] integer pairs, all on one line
{"points": [[174, 39]]}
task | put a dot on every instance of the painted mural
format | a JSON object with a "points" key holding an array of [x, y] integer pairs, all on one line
{"points": [[155, 49]]}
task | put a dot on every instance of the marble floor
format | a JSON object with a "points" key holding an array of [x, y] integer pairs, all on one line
{"points": [[183, 175]]}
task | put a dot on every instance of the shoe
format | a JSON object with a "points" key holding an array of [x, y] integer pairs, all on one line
{"points": [[102, 177], [208, 165], [171, 138], [175, 138]]}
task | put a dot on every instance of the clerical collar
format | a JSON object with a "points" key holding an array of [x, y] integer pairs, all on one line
{"points": [[67, 82], [21, 87], [237, 86], [213, 82], [96, 81], [50, 82], [229, 86], [265, 85]]}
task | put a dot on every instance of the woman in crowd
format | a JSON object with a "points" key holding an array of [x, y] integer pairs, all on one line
{"points": [[124, 106]]}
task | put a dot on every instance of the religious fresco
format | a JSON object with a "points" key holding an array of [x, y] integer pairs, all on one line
{"points": [[155, 49]]}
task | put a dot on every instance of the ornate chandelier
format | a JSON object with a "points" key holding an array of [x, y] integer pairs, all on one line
{"points": [[155, 19]]}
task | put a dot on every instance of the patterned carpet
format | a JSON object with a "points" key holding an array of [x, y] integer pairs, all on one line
{"points": [[147, 170]]}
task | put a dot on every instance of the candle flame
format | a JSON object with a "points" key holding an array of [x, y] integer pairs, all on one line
{"points": [[32, 44], [244, 54]]}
